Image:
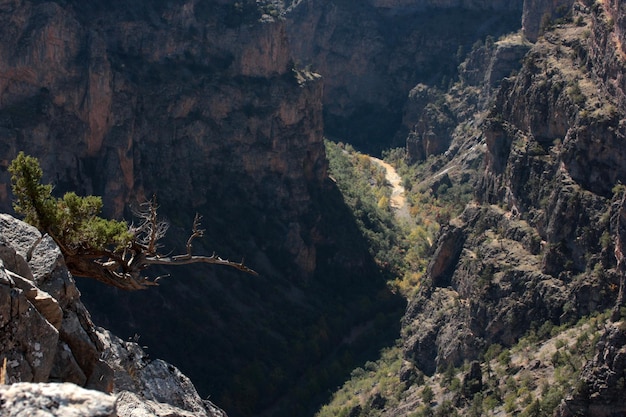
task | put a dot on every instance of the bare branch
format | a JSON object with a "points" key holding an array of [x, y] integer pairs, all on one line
{"points": [[192, 259], [150, 229], [123, 268], [195, 232]]}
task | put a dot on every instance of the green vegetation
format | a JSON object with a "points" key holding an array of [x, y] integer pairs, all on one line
{"points": [[576, 94], [439, 200], [509, 383], [365, 191], [73, 222], [400, 247], [373, 380]]}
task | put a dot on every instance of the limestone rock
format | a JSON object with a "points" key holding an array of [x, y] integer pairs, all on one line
{"points": [[52, 295], [131, 405], [538, 12], [19, 240], [152, 380], [47, 305], [54, 400], [28, 340]]}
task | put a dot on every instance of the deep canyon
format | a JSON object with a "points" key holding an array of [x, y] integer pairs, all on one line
{"points": [[221, 108]]}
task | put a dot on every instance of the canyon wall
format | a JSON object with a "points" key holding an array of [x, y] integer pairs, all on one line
{"points": [[200, 104], [540, 242], [116, 108], [372, 54]]}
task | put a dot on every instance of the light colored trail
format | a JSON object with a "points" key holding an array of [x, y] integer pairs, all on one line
{"points": [[398, 193]]}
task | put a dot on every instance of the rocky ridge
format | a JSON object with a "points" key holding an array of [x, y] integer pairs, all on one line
{"points": [[538, 250], [545, 252], [51, 349]]}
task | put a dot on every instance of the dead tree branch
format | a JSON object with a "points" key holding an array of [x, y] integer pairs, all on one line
{"points": [[124, 268]]}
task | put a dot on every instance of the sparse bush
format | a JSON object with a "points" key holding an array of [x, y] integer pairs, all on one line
{"points": [[576, 94], [427, 394]]}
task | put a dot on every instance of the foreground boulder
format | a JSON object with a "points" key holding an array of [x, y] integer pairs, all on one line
{"points": [[49, 400]]}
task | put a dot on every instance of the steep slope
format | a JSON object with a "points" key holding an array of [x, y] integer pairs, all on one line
{"points": [[198, 102], [553, 160], [539, 250]]}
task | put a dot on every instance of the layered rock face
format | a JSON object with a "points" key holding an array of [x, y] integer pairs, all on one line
{"points": [[372, 54], [431, 117], [539, 244], [113, 104], [51, 348]]}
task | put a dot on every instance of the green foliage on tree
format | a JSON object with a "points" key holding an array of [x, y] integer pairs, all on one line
{"points": [[73, 222]]}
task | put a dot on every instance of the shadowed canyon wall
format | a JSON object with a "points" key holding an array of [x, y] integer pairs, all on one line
{"points": [[199, 103], [371, 54]]}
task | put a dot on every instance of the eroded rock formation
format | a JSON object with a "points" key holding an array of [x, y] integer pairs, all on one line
{"points": [[52, 348], [538, 245], [539, 14]]}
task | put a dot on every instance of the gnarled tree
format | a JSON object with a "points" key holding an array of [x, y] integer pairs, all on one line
{"points": [[109, 251]]}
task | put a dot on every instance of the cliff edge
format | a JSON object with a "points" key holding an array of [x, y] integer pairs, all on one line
{"points": [[56, 360]]}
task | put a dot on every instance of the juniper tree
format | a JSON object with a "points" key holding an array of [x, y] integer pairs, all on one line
{"points": [[110, 251]]}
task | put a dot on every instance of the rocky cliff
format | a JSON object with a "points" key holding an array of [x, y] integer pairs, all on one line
{"points": [[539, 14], [520, 311], [50, 348], [538, 246], [199, 103], [373, 53], [122, 93]]}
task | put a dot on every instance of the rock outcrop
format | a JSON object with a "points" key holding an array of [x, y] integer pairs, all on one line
{"points": [[539, 14], [486, 286], [431, 116], [50, 348], [55, 400], [601, 389], [538, 244]]}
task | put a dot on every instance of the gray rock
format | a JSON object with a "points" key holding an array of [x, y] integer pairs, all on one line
{"points": [[539, 12], [48, 336], [43, 302], [28, 341], [20, 236], [154, 381], [132, 405], [51, 400]]}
